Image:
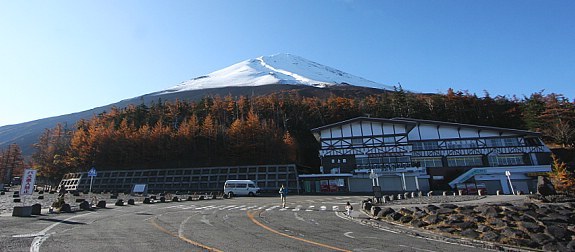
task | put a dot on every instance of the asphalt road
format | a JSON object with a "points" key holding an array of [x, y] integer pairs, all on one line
{"points": [[310, 223]]}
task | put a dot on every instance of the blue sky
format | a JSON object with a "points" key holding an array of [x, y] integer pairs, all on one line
{"points": [[60, 57]]}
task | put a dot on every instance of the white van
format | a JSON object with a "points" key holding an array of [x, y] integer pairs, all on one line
{"points": [[241, 187]]}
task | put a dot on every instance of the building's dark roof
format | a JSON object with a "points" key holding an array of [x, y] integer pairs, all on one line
{"points": [[515, 131], [410, 125]]}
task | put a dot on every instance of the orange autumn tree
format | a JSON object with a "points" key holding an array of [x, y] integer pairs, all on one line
{"points": [[562, 178]]}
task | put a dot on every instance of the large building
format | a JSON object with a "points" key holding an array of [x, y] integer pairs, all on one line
{"points": [[405, 154]]}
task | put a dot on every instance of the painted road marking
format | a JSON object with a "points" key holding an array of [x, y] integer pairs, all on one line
{"points": [[251, 216], [182, 237], [42, 236]]}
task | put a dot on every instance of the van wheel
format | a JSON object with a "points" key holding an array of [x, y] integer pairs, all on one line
{"points": [[230, 195], [251, 194]]}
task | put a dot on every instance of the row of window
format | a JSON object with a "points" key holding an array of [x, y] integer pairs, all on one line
{"points": [[197, 171], [391, 163], [193, 178], [467, 144]]}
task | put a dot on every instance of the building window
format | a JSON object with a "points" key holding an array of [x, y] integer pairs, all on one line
{"points": [[465, 161], [357, 141], [430, 145], [505, 160], [428, 162], [503, 142], [344, 160]]}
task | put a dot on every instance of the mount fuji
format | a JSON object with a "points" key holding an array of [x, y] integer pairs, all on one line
{"points": [[275, 69], [260, 76]]}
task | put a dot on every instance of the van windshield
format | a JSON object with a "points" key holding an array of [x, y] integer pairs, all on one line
{"points": [[251, 185]]}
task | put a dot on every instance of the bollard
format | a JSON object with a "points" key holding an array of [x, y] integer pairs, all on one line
{"points": [[413, 194], [429, 193], [41, 197], [479, 192], [405, 195], [420, 194], [444, 193], [17, 200], [498, 192], [460, 192], [399, 196]]}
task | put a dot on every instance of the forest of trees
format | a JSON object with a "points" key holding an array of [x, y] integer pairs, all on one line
{"points": [[11, 163], [271, 129]]}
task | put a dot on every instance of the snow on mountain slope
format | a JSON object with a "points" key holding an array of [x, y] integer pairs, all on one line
{"points": [[275, 69]]}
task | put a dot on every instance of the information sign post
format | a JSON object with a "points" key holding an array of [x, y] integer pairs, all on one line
{"points": [[92, 173]]}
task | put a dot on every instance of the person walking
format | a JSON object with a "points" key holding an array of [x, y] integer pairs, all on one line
{"points": [[348, 208], [283, 194]]}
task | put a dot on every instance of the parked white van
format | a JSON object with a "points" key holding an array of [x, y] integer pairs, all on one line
{"points": [[241, 187]]}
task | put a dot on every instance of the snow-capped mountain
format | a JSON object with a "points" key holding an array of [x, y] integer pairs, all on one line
{"points": [[275, 69]]}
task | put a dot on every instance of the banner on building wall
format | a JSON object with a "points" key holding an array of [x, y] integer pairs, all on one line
{"points": [[28, 182]]}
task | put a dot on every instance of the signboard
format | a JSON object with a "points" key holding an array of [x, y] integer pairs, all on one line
{"points": [[92, 172], [28, 182], [140, 188]]}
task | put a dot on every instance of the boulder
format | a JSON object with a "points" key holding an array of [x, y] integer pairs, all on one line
{"points": [[131, 202], [147, 201], [432, 219], [85, 205], [418, 223], [101, 204], [36, 209], [529, 227], [491, 236], [483, 228], [554, 247], [405, 219], [66, 208], [375, 210], [488, 211], [513, 233], [367, 206], [119, 202], [559, 232], [465, 225], [444, 211], [430, 208], [405, 211], [386, 211], [545, 187], [394, 216], [540, 238], [470, 233]]}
